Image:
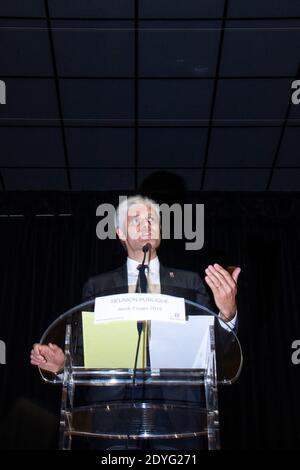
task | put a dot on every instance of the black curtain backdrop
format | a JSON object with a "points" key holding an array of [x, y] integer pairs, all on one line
{"points": [[46, 259]]}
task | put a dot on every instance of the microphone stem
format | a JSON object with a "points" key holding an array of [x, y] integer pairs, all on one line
{"points": [[143, 262]]}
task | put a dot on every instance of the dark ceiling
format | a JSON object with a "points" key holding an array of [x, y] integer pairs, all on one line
{"points": [[101, 94]]}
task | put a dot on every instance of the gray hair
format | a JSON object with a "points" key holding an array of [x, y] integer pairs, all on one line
{"points": [[122, 209]]}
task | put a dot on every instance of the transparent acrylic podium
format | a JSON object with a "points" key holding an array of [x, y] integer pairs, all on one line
{"points": [[172, 403]]}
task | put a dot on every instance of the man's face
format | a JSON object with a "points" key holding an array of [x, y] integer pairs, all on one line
{"points": [[142, 227]]}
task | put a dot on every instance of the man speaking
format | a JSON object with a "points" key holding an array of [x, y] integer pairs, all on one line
{"points": [[137, 223]]}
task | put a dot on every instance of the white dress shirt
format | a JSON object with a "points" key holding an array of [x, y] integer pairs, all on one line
{"points": [[152, 272]]}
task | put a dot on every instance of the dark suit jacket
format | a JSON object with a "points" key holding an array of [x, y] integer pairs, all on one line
{"points": [[176, 282]]}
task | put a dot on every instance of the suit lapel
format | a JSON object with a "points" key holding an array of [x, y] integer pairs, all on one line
{"points": [[167, 279], [120, 279], [172, 283]]}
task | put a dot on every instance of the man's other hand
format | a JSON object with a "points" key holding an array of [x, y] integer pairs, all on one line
{"points": [[48, 357]]}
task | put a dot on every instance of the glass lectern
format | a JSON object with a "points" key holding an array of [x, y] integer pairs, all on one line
{"points": [[170, 394]]}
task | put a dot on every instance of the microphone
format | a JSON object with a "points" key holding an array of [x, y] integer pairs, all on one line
{"points": [[141, 286], [140, 324], [147, 247]]}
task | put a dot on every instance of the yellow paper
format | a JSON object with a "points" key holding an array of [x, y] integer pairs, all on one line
{"points": [[111, 345]]}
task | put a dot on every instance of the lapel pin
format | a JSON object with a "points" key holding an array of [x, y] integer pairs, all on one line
{"points": [[171, 274]]}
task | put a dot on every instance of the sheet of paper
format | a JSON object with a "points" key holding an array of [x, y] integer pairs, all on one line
{"points": [[139, 307], [180, 345], [110, 345], [172, 345]]}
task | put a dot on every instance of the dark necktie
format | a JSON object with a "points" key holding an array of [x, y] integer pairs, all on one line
{"points": [[142, 283]]}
